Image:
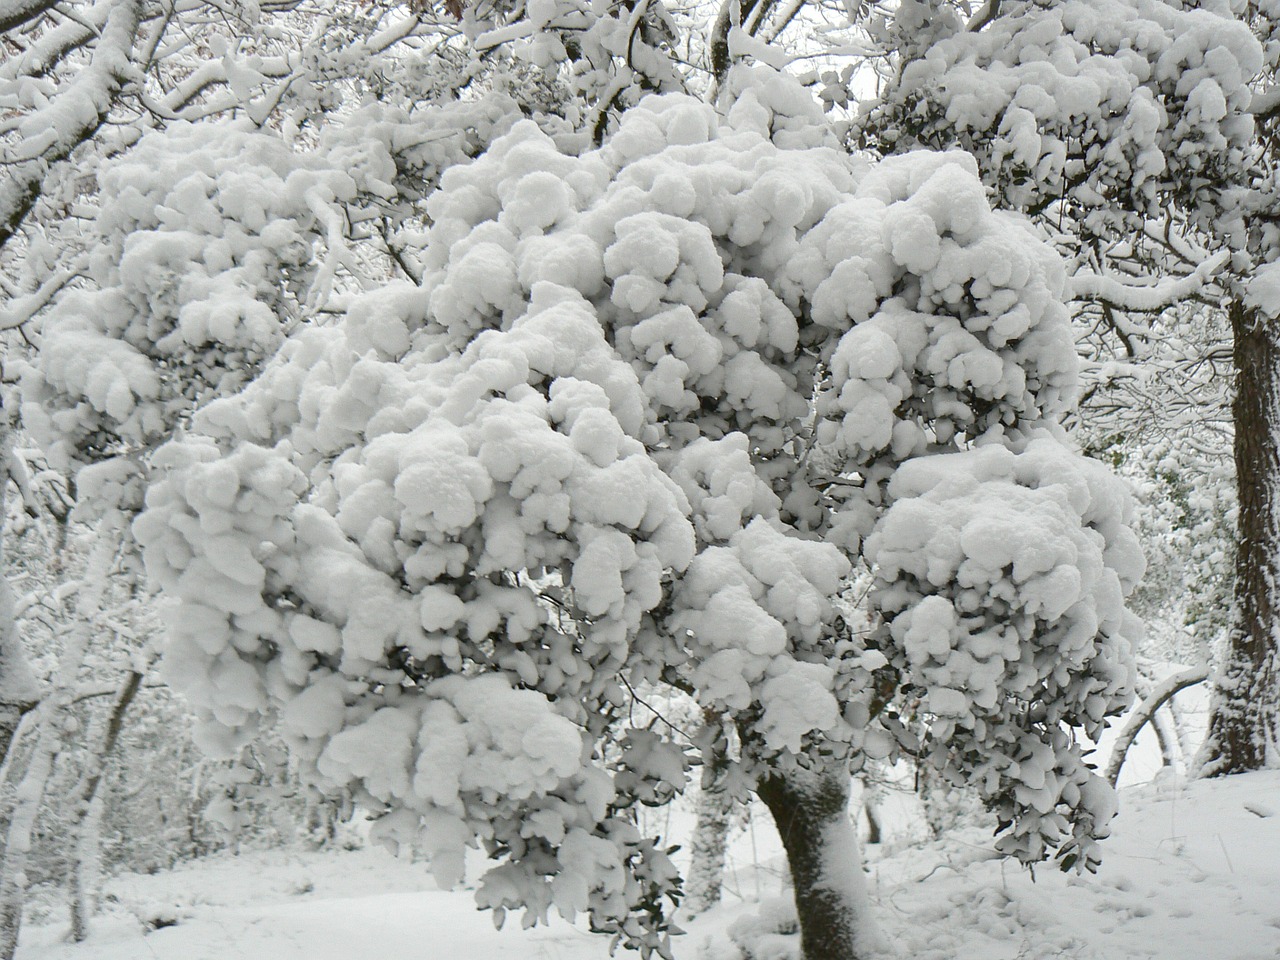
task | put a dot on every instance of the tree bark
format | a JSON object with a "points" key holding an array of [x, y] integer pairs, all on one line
{"points": [[19, 692], [811, 811], [86, 871], [88, 812], [871, 798], [707, 850], [1246, 702], [711, 834]]}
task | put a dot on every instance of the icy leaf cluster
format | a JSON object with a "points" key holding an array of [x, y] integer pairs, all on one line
{"points": [[441, 540], [1001, 580], [1115, 105]]}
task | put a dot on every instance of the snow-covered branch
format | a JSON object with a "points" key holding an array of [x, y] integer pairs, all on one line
{"points": [[1160, 694], [1150, 298], [21, 309], [985, 14], [70, 118], [54, 44], [14, 13], [1266, 103]]}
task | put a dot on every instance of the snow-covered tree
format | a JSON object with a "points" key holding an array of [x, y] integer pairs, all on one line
{"points": [[649, 406], [1138, 134], [166, 215]]}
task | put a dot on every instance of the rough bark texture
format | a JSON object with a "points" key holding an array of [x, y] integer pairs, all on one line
{"points": [[707, 851], [1243, 726], [811, 811]]}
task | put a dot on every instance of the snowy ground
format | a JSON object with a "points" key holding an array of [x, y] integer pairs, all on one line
{"points": [[1191, 873]]}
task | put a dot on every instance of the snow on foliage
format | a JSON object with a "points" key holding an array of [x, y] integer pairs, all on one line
{"points": [[212, 241], [1001, 580], [1117, 104], [439, 539], [204, 236]]}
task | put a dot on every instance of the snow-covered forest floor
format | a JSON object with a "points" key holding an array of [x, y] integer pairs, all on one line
{"points": [[1188, 875]]}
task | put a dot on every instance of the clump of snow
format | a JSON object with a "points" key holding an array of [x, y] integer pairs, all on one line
{"points": [[1001, 580], [203, 236]]}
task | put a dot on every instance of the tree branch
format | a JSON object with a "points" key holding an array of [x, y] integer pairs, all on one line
{"points": [[1145, 299], [14, 13], [71, 118], [986, 13], [1161, 693]]}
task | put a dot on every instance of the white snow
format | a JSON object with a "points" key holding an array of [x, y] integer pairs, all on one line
{"points": [[1188, 874]]}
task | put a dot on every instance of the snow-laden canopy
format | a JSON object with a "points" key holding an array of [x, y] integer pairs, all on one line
{"points": [[1114, 107], [636, 425]]}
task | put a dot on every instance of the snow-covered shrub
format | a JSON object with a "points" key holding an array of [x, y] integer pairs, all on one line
{"points": [[605, 443], [206, 232], [212, 242]]}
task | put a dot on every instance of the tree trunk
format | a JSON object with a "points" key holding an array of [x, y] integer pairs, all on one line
{"points": [[18, 689], [871, 799], [52, 727], [27, 802], [87, 810], [12, 663], [715, 807], [811, 811], [86, 871], [707, 850], [1246, 702]]}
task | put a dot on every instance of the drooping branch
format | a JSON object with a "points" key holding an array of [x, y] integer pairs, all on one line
{"points": [[1160, 694]]}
